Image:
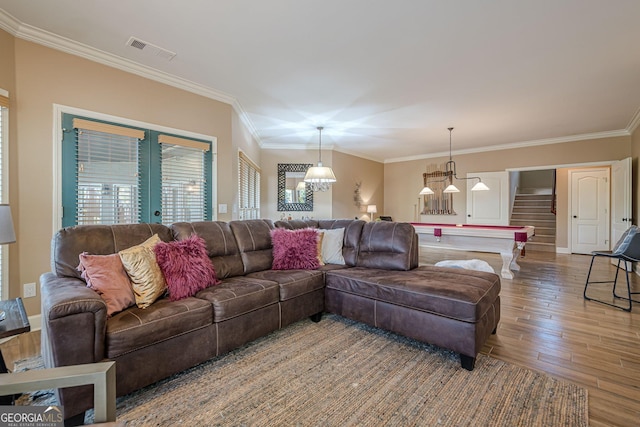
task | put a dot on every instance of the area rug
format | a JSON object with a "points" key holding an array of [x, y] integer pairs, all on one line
{"points": [[342, 373]]}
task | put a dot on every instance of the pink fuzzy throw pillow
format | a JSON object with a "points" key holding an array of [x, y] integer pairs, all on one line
{"points": [[186, 266], [295, 249]]}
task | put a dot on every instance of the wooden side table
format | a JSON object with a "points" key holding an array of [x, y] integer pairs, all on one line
{"points": [[15, 322]]}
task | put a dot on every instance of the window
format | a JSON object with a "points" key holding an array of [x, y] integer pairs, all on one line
{"points": [[4, 142], [118, 174], [248, 188], [183, 184]]}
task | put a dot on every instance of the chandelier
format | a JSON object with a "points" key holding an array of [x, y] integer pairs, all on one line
{"points": [[319, 177], [450, 173]]}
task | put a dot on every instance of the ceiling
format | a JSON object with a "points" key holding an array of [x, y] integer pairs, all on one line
{"points": [[386, 79]]}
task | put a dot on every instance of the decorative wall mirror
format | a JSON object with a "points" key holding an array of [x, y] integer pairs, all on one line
{"points": [[293, 193]]}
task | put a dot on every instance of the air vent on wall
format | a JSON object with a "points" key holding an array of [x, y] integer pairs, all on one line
{"points": [[150, 48]]}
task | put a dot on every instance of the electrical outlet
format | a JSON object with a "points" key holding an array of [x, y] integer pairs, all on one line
{"points": [[29, 290]]}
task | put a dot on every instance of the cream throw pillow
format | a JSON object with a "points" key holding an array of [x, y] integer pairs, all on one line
{"points": [[332, 246], [146, 277]]}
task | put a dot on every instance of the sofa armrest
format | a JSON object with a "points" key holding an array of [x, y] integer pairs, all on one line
{"points": [[74, 322]]}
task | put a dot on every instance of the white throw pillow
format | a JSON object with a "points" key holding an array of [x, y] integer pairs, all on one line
{"points": [[332, 246]]}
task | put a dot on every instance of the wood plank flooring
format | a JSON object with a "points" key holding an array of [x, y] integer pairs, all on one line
{"points": [[546, 325]]}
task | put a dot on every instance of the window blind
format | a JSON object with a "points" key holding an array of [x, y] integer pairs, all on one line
{"points": [[4, 105], [248, 188], [183, 185], [107, 189]]}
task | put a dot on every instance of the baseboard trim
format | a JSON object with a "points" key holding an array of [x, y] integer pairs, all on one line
{"points": [[36, 322], [562, 250]]}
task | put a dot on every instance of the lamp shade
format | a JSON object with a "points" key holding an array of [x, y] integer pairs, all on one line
{"points": [[372, 209], [319, 174], [426, 191], [7, 235], [480, 186], [451, 189]]}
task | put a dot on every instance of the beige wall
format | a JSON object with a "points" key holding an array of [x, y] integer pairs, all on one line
{"points": [[350, 170], [46, 77], [403, 180]]}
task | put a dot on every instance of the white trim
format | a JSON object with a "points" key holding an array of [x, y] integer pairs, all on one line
{"points": [[563, 166], [36, 322], [562, 250], [58, 110], [535, 143], [54, 41], [634, 123]]}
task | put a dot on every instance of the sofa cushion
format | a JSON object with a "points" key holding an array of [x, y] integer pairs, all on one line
{"points": [[254, 241], [185, 266], [352, 232], [331, 249], [222, 248], [146, 277], [236, 296], [295, 249], [450, 292], [105, 274], [388, 245], [292, 283], [137, 328]]}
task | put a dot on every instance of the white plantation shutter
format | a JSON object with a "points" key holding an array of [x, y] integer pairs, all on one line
{"points": [[183, 183], [4, 125], [107, 189], [248, 188]]}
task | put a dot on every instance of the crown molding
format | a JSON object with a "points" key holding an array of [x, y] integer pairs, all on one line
{"points": [[9, 23], [54, 41], [560, 140], [634, 123]]}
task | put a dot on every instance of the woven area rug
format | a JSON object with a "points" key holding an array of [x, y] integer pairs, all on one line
{"points": [[342, 373]]}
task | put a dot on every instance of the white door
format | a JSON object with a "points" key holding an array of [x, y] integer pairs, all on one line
{"points": [[620, 199], [489, 207], [589, 210]]}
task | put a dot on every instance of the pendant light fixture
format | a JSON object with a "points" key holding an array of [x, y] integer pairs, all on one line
{"points": [[320, 177], [450, 173]]}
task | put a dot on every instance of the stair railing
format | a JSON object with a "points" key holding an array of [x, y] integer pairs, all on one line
{"points": [[553, 194]]}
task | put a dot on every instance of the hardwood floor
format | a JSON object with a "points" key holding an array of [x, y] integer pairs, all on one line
{"points": [[545, 325]]}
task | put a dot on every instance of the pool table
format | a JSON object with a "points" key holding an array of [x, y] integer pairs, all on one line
{"points": [[506, 240]]}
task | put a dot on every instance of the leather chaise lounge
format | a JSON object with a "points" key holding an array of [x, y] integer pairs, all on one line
{"points": [[379, 284]]}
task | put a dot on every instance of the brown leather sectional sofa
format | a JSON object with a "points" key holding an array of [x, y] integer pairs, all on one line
{"points": [[380, 284]]}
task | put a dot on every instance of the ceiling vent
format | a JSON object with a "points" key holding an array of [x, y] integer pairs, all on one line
{"points": [[151, 48]]}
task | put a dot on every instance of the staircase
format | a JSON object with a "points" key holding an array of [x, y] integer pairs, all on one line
{"points": [[535, 209]]}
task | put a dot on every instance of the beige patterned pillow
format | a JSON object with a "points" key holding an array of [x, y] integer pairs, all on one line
{"points": [[146, 277]]}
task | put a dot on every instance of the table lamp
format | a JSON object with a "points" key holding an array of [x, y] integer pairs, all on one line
{"points": [[372, 210], [7, 235]]}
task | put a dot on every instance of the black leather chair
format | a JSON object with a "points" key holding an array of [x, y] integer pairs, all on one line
{"points": [[626, 250]]}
